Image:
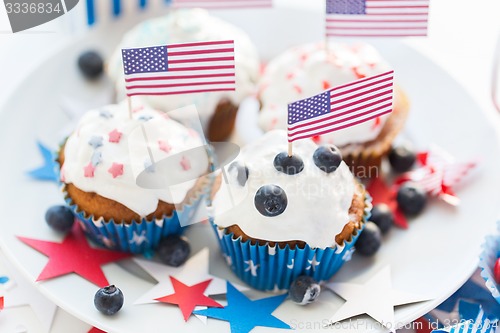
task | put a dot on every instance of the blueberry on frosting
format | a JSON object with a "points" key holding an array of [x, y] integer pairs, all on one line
{"points": [[327, 158], [270, 200], [241, 172], [290, 165]]}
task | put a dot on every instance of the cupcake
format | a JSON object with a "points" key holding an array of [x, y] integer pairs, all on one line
{"points": [[102, 162], [307, 70], [277, 217], [217, 109]]}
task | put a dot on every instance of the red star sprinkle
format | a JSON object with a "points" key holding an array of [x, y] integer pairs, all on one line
{"points": [[188, 297], [164, 146], [290, 76], [326, 85], [1, 303], [377, 123], [88, 171], [381, 193], [95, 330], [297, 89], [185, 164], [115, 136], [74, 255], [358, 73], [116, 169]]}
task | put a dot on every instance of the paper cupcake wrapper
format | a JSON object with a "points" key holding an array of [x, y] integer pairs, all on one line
{"points": [[489, 255], [272, 269]]}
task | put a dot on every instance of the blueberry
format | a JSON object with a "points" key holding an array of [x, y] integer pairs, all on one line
{"points": [[173, 250], [290, 165], [370, 240], [382, 217], [60, 218], [402, 158], [108, 300], [327, 158], [241, 172], [304, 290], [91, 64], [270, 200], [411, 199]]}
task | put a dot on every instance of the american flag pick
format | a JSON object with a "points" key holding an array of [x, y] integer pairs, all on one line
{"points": [[222, 4], [180, 68], [377, 18], [341, 107]]}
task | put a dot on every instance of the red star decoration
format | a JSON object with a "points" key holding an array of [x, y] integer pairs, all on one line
{"points": [[114, 136], [188, 297], [95, 330], [185, 164], [1, 303], [381, 193], [88, 171], [116, 170], [74, 255], [326, 85], [164, 146]]}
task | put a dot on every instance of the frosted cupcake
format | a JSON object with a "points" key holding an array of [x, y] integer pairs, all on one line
{"points": [[289, 216], [217, 109], [102, 160], [307, 70]]}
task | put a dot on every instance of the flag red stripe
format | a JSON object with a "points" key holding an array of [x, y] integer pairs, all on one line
{"points": [[346, 20], [180, 77], [379, 28], [179, 85], [361, 87], [343, 126], [335, 115], [201, 68], [180, 92], [336, 102], [330, 34], [183, 61], [359, 100], [199, 44], [396, 14], [175, 54], [401, 7]]}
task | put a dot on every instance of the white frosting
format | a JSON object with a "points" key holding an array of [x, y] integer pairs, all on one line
{"points": [[308, 70], [189, 25], [318, 203], [112, 145]]}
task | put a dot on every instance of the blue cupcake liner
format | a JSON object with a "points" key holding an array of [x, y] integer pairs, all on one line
{"points": [[273, 269], [487, 259]]}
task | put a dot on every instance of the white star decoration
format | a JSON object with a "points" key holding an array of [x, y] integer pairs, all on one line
{"points": [[375, 298], [138, 239], [290, 266], [312, 264], [348, 254], [23, 293], [251, 267]]}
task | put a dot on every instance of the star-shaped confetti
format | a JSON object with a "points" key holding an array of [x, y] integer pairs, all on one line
{"points": [[375, 298], [95, 330], [96, 141], [381, 193], [259, 311], [115, 136], [185, 163], [49, 170], [74, 255], [194, 270], [116, 169], [88, 170], [164, 146], [189, 297]]}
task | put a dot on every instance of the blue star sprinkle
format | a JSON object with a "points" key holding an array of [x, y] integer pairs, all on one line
{"points": [[96, 158], [105, 114], [95, 141], [145, 118], [49, 170], [258, 313]]}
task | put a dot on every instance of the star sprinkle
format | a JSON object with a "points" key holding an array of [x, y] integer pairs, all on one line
{"points": [[194, 270], [105, 114], [74, 255], [95, 330], [375, 298], [1, 303], [96, 141], [116, 169], [96, 158], [49, 169], [259, 312], [164, 146], [114, 136], [188, 297], [381, 193], [88, 171], [185, 163]]}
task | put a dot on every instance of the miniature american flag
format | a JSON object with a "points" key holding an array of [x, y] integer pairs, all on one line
{"points": [[341, 107], [220, 4], [382, 18], [180, 68]]}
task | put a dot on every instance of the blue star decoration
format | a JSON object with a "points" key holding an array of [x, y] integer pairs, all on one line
{"points": [[239, 306], [49, 170]]}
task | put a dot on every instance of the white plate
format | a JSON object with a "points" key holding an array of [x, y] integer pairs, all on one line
{"points": [[434, 257]]}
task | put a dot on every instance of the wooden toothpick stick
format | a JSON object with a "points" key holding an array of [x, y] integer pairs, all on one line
{"points": [[290, 149]]}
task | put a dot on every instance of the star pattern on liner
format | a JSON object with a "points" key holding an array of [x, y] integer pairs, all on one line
{"points": [[291, 265], [95, 141], [348, 254], [185, 163], [312, 263], [114, 136], [259, 311], [19, 291], [381, 193], [74, 255], [252, 268], [138, 239], [189, 297], [49, 170], [116, 169], [375, 298], [164, 146], [195, 269], [88, 171]]}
